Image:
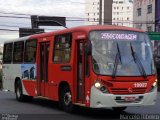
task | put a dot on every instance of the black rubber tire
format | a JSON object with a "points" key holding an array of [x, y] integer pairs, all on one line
{"points": [[63, 93], [119, 109], [19, 93], [28, 98]]}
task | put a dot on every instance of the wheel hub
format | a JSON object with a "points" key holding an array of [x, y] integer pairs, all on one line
{"points": [[67, 98]]}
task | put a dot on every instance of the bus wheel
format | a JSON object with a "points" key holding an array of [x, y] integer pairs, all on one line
{"points": [[28, 98], [66, 99], [18, 91], [119, 109]]}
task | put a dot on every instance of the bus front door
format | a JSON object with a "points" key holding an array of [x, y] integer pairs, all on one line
{"points": [[43, 69], [80, 72]]}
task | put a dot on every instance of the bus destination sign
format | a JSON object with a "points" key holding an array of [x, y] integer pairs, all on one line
{"points": [[118, 36]]}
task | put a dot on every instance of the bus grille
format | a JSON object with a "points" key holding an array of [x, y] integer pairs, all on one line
{"points": [[122, 101], [127, 91]]}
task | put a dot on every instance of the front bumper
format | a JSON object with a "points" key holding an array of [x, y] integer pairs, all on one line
{"points": [[103, 100]]}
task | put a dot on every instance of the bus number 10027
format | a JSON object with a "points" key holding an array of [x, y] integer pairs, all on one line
{"points": [[140, 85]]}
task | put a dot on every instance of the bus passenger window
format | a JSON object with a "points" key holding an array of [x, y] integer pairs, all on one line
{"points": [[62, 48], [18, 52], [7, 56], [30, 51]]}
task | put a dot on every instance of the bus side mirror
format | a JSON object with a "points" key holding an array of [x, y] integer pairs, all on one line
{"points": [[88, 48]]}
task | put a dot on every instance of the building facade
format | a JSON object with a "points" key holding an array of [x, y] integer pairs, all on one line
{"points": [[144, 14], [92, 12], [121, 12]]}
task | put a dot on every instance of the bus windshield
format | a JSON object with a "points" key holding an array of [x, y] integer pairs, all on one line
{"points": [[121, 53]]}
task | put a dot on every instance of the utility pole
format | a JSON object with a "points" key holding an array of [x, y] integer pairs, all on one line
{"points": [[157, 16], [100, 12], [106, 5], [108, 12]]}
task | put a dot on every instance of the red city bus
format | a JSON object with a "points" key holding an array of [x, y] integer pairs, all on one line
{"points": [[91, 66]]}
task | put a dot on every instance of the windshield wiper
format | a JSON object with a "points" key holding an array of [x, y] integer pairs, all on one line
{"points": [[138, 62], [118, 55]]}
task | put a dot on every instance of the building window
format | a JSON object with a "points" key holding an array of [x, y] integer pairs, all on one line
{"points": [[139, 26], [30, 51], [131, 1], [120, 2], [149, 28], [62, 48], [127, 18], [149, 9], [18, 52], [139, 11], [7, 55]]}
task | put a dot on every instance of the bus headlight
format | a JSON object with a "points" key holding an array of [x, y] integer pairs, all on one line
{"points": [[154, 85], [101, 87], [97, 85]]}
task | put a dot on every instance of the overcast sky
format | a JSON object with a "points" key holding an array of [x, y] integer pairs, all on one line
{"points": [[67, 8]]}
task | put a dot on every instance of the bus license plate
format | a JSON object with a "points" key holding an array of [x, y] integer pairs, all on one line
{"points": [[129, 98]]}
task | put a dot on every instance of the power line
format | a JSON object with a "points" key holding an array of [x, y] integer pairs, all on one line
{"points": [[15, 17], [7, 13], [12, 26], [30, 18], [14, 13], [23, 27], [87, 19], [8, 30], [71, 19], [82, 19]]}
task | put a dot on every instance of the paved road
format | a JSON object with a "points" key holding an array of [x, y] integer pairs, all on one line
{"points": [[41, 109]]}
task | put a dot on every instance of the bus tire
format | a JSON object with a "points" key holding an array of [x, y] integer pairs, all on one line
{"points": [[66, 99], [119, 109], [28, 98], [18, 90]]}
